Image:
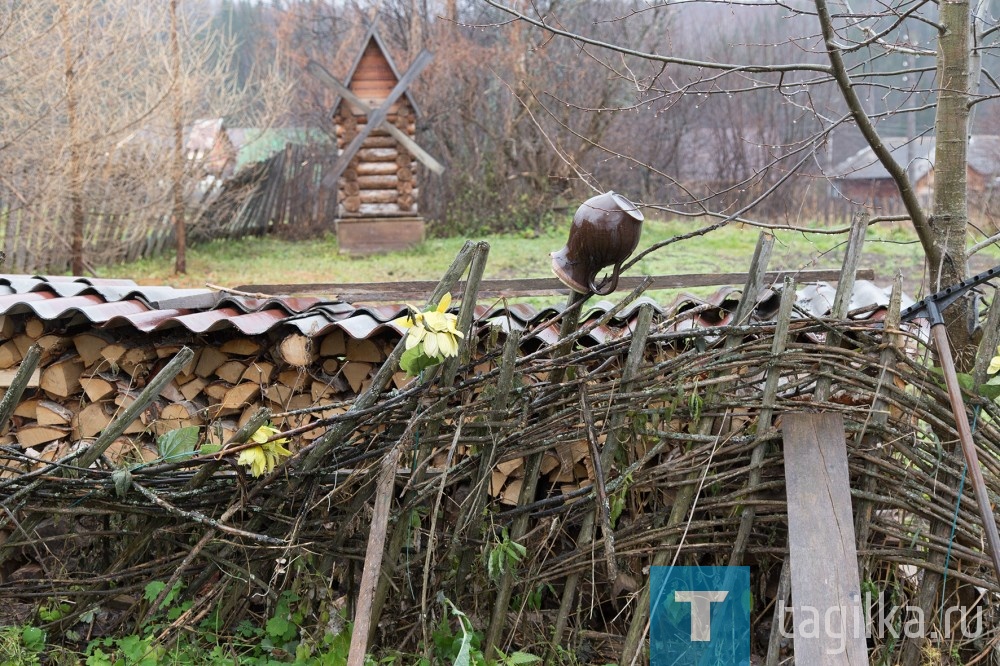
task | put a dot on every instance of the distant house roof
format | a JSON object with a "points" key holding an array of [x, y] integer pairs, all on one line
{"points": [[254, 145], [983, 157], [202, 136], [372, 39]]}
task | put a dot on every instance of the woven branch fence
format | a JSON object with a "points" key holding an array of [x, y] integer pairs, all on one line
{"points": [[679, 430]]}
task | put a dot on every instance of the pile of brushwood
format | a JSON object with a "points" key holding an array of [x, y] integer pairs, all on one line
{"points": [[513, 499]]}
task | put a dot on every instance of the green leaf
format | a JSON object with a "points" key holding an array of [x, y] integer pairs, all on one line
{"points": [[414, 360], [178, 444], [208, 449], [522, 658], [33, 638], [122, 479], [153, 589], [966, 381]]}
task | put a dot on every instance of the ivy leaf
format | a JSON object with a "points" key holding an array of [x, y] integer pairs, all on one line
{"points": [[178, 444]]}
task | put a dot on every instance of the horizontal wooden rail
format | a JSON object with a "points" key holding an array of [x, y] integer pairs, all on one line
{"points": [[402, 291]]}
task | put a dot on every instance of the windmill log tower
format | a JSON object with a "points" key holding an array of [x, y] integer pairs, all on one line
{"points": [[375, 119]]}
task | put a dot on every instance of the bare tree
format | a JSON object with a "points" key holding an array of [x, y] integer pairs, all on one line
{"points": [[96, 96]]}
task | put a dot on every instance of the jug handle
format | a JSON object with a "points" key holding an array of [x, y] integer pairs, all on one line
{"points": [[608, 285]]}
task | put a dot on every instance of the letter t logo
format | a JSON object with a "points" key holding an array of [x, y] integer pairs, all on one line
{"points": [[701, 610]]}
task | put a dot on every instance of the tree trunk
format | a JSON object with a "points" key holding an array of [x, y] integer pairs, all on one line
{"points": [[180, 265], [75, 184], [949, 259]]}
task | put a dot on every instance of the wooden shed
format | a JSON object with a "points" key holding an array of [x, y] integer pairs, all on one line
{"points": [[377, 209]]}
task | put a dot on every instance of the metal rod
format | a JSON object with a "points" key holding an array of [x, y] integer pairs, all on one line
{"points": [[940, 335]]}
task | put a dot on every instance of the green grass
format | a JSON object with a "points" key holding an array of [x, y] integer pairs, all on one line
{"points": [[229, 263]]}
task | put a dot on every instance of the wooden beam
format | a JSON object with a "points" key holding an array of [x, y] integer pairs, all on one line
{"points": [[396, 291], [376, 118], [402, 137], [829, 617]]}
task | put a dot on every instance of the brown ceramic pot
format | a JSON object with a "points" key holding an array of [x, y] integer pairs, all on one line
{"points": [[605, 232]]}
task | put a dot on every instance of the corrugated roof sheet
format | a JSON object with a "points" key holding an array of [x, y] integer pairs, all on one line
{"points": [[115, 304]]}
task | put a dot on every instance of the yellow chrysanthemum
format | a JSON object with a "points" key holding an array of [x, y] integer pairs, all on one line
{"points": [[435, 331], [264, 458]]}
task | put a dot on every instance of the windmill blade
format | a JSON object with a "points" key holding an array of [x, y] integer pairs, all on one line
{"points": [[404, 139]]}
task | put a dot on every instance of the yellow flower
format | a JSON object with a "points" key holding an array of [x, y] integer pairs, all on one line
{"points": [[994, 364], [264, 458], [435, 331]]}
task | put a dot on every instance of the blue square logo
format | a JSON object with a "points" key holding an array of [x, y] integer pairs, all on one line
{"points": [[699, 616]]}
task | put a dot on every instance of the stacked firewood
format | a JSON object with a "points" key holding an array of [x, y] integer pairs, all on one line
{"points": [[85, 380]]}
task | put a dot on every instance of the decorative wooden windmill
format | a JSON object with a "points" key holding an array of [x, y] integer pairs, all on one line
{"points": [[375, 119]]}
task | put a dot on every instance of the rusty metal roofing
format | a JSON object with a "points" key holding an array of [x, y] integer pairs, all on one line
{"points": [[67, 302]]}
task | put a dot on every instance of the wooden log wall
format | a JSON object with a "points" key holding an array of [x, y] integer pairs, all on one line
{"points": [[380, 181]]}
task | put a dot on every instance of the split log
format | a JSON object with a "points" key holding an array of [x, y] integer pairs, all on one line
{"points": [[27, 409], [259, 372], [49, 412], [166, 351], [193, 388], [239, 396], [364, 350], [178, 415], [98, 387], [357, 372], [91, 420], [10, 355], [231, 371], [8, 326], [333, 344], [34, 435], [113, 352], [295, 379], [23, 342], [209, 361], [241, 347], [89, 346], [7, 378], [62, 379]]}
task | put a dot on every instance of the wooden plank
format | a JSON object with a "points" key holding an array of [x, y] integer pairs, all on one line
{"points": [[826, 590], [393, 291]]}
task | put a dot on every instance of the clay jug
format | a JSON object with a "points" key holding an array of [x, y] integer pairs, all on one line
{"points": [[604, 233]]}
